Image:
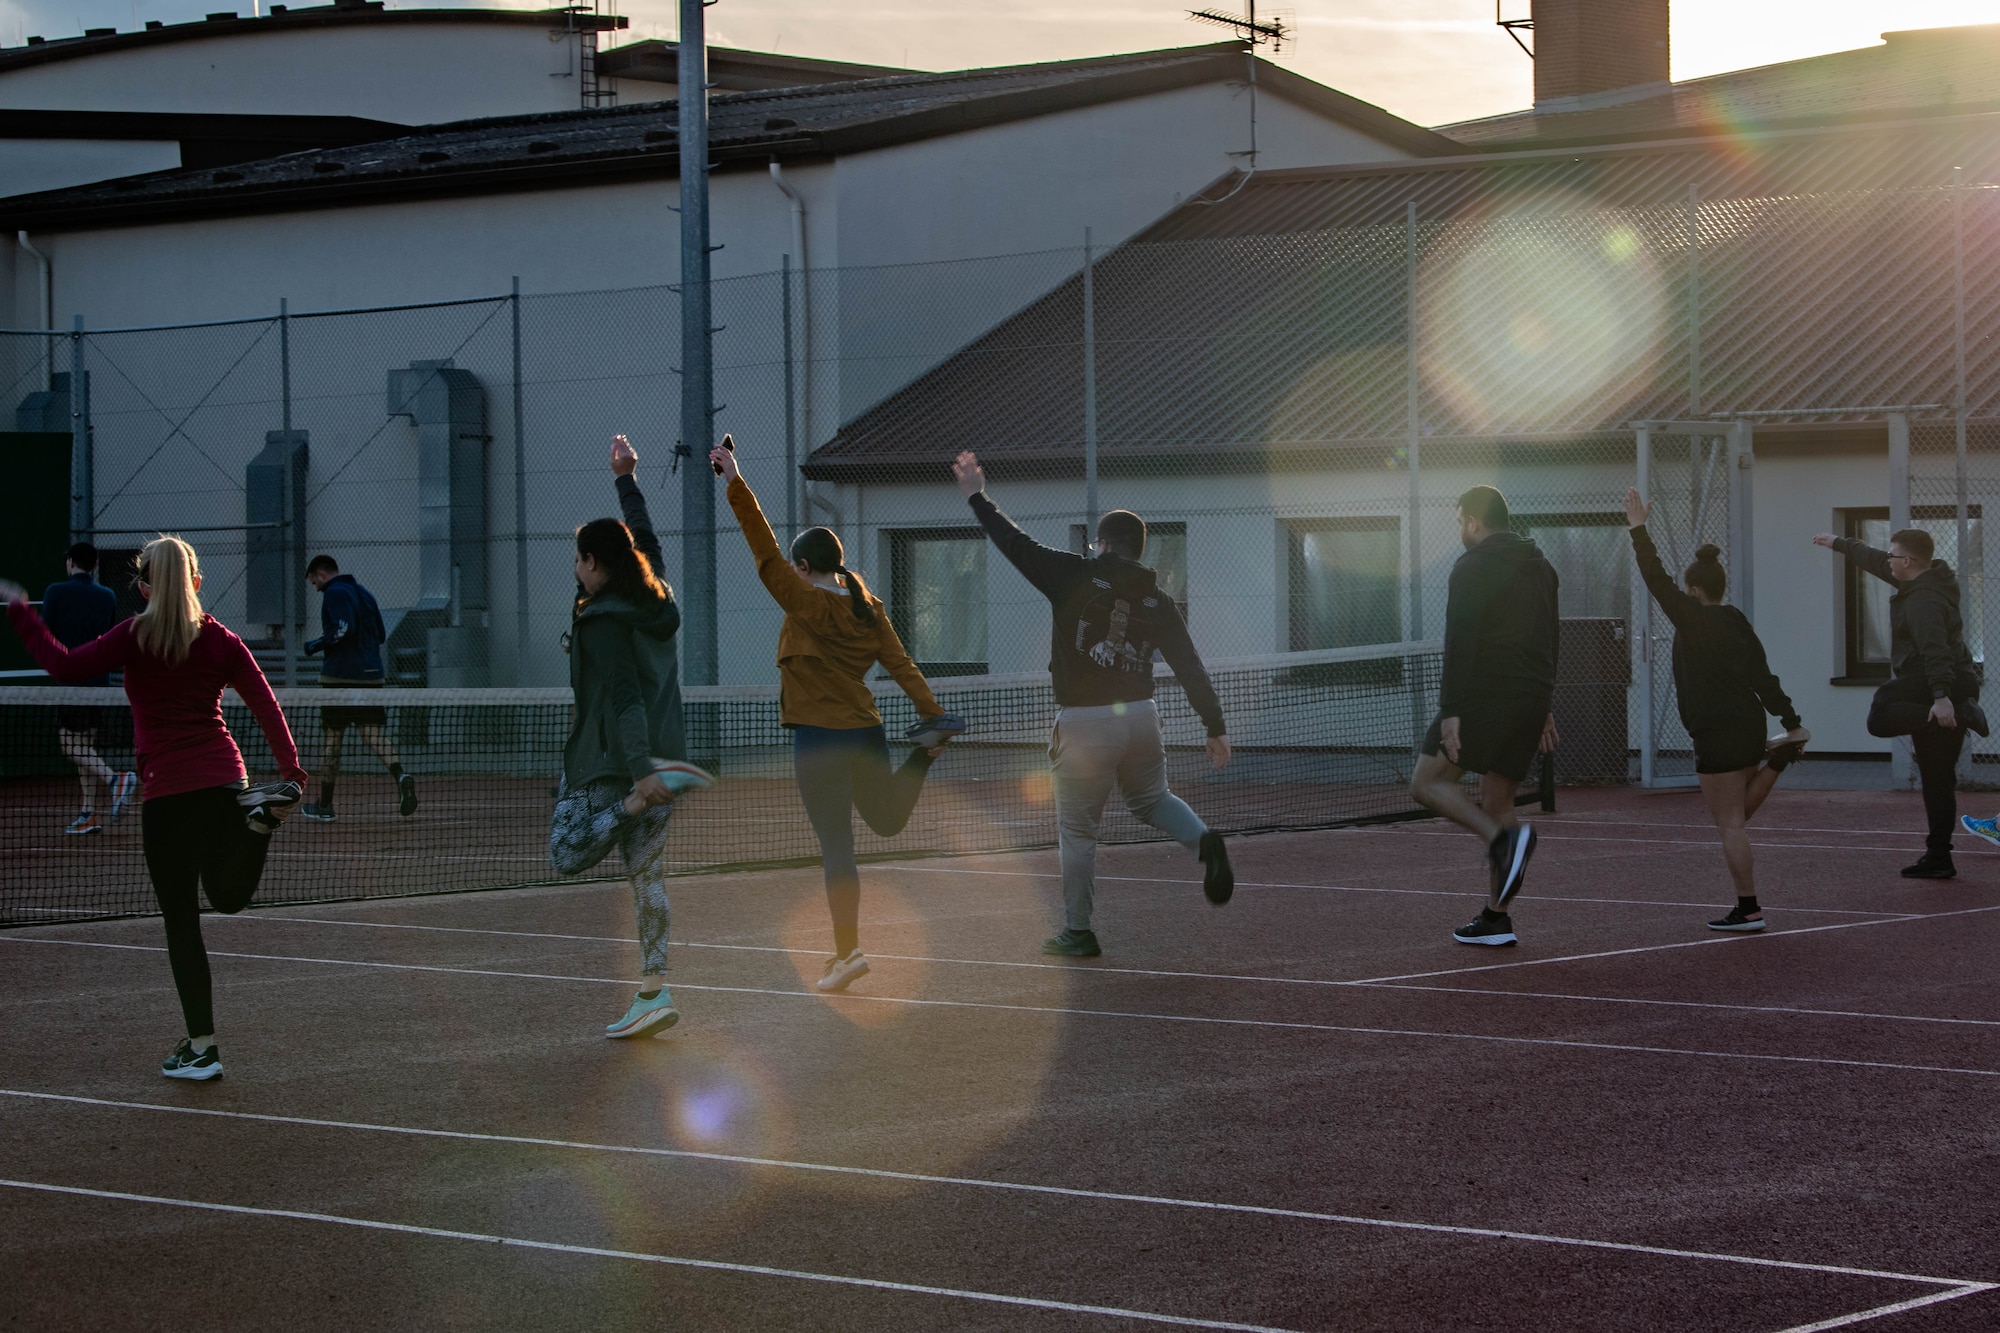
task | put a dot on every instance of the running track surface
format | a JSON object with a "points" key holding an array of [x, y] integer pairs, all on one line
{"points": [[1308, 1110]]}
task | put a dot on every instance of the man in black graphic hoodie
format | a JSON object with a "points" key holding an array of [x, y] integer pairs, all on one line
{"points": [[1933, 695], [1109, 617], [1500, 638]]}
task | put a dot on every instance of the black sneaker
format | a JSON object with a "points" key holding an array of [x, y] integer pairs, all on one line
{"points": [[319, 813], [1739, 920], [184, 1063], [269, 804], [1972, 717], [1931, 867], [1218, 880], [1488, 927], [1072, 944], [935, 731], [406, 793], [1510, 852]]}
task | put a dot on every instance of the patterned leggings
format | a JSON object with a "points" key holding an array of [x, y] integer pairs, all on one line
{"points": [[589, 821]]}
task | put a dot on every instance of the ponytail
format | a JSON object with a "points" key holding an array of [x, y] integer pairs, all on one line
{"points": [[821, 550], [1706, 573], [167, 627]]}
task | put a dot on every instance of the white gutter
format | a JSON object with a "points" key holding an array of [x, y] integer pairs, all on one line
{"points": [[48, 300], [806, 440]]}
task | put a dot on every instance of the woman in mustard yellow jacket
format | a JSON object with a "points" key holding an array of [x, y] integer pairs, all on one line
{"points": [[834, 631]]}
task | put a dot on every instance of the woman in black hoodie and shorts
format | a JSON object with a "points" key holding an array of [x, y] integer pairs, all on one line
{"points": [[1725, 687]]}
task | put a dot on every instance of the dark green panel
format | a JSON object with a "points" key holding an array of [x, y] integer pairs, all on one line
{"points": [[35, 532]]}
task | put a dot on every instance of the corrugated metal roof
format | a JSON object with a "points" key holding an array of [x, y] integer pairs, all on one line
{"points": [[1553, 301], [1924, 72]]}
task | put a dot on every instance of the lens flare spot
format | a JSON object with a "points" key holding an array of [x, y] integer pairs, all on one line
{"points": [[1038, 788], [1621, 244]]}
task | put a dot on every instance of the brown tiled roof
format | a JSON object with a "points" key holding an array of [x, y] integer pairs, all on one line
{"points": [[1553, 299], [1931, 71]]}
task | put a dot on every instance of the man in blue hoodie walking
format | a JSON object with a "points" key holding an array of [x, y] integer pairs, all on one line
{"points": [[351, 635]]}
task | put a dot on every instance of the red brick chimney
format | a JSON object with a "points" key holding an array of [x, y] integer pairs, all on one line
{"points": [[1598, 46]]}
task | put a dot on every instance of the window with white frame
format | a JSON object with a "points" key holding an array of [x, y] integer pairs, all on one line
{"points": [[937, 598]]}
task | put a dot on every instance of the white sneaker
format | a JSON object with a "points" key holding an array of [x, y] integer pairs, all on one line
{"points": [[840, 971]]}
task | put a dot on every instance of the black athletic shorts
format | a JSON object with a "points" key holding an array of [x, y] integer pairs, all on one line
{"points": [[89, 719], [1501, 736], [336, 717], [1727, 749]]}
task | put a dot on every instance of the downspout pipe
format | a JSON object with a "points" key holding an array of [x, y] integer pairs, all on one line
{"points": [[805, 316], [48, 299]]}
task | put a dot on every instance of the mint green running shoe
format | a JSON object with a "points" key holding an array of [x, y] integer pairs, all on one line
{"points": [[645, 1016], [1987, 829]]}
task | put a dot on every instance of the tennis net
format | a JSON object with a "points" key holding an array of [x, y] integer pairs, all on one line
{"points": [[1321, 739]]}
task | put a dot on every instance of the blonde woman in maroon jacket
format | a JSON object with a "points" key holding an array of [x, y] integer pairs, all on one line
{"points": [[205, 826]]}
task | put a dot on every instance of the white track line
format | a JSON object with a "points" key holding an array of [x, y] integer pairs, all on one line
{"points": [[1200, 1019], [1682, 1004], [1718, 939], [712, 1265], [1361, 888], [1915, 1302], [973, 1182], [1146, 972]]}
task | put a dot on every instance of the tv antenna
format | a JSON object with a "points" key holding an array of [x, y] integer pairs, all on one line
{"points": [[1514, 27], [1273, 32]]}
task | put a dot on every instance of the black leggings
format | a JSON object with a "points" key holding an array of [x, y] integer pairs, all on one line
{"points": [[842, 770], [1903, 708], [199, 839]]}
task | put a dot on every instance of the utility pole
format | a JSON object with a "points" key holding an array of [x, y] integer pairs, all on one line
{"points": [[698, 655]]}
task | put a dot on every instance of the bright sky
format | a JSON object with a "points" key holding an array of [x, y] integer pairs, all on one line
{"points": [[1431, 61]]}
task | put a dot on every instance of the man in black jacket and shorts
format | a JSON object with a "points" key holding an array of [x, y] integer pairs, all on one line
{"points": [[1110, 615], [1500, 644], [351, 638], [1933, 695]]}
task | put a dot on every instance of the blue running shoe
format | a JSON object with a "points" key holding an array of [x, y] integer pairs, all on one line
{"points": [[681, 776], [646, 1016], [122, 788], [935, 731], [1987, 829]]}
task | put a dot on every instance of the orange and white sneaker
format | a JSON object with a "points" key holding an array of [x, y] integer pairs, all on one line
{"points": [[85, 822]]}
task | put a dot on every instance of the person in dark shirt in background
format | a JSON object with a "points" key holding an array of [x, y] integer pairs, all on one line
{"points": [[1109, 616], [76, 611], [1500, 644], [1933, 694], [351, 636]]}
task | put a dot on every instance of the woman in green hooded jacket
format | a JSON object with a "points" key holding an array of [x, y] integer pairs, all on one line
{"points": [[626, 757]]}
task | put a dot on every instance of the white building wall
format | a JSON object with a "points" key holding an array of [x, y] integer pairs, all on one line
{"points": [[408, 74]]}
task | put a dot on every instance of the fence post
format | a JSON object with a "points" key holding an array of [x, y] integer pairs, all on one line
{"points": [[1412, 437], [1648, 731], [293, 539], [1089, 393], [82, 500], [1742, 527], [1902, 769], [1694, 300], [522, 620], [792, 480], [1958, 315]]}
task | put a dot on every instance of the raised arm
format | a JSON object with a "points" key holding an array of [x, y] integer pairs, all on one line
{"points": [[109, 651], [1679, 604], [896, 661], [1873, 561], [632, 501], [1048, 569], [787, 589], [247, 679]]}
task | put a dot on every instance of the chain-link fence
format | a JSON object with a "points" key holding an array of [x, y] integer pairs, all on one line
{"points": [[1296, 413]]}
